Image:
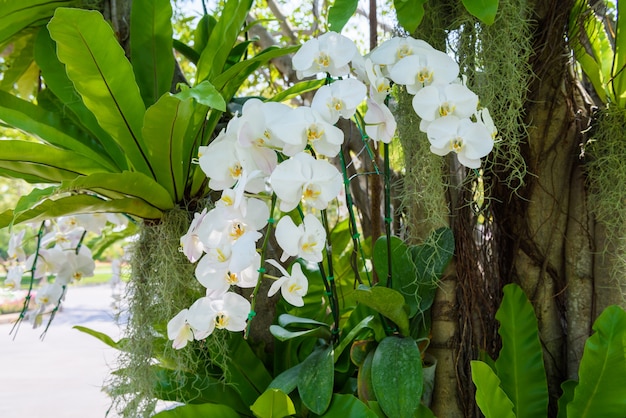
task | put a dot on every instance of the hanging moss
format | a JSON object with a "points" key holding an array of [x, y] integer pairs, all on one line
{"points": [[606, 171], [162, 283]]}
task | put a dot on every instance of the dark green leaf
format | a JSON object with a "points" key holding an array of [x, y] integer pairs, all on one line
{"points": [[286, 320], [18, 15], [273, 403], [203, 33], [315, 381], [151, 47], [282, 334], [388, 302], [370, 322], [347, 406], [287, 380], [520, 365], [187, 51], [567, 388], [601, 389], [397, 376], [102, 75], [490, 397], [340, 12], [297, 89], [485, 10], [410, 13]]}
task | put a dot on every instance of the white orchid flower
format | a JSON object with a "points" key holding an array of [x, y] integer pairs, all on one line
{"points": [[224, 161], [76, 266], [303, 178], [190, 243], [437, 101], [395, 49], [424, 68], [469, 140], [179, 330], [254, 126], [292, 286], [49, 293], [49, 261], [380, 125], [306, 240], [339, 99], [303, 126], [15, 252], [14, 277], [483, 116], [230, 312], [329, 53]]}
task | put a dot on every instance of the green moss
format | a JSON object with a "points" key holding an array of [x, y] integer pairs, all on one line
{"points": [[606, 171], [162, 283]]}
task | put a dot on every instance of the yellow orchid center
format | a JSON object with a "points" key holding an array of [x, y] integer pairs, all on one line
{"points": [[221, 321], [77, 275], [313, 133], [227, 200], [446, 109], [231, 278], [424, 75], [323, 60], [456, 144], [220, 256], [294, 287], [237, 230], [235, 170], [311, 192], [404, 51]]}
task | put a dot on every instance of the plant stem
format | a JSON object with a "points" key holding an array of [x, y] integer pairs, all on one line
{"points": [[387, 179]]}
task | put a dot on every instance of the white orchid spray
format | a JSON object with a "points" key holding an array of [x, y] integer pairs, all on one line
{"points": [[272, 152]]}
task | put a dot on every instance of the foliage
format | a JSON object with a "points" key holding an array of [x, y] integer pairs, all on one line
{"points": [[516, 386]]}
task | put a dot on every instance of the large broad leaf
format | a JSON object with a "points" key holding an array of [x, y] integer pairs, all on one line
{"points": [[128, 183], [520, 365], [225, 33], [410, 13], [55, 76], [48, 126], [287, 381], [397, 376], [619, 65], [17, 15], [340, 12], [102, 75], [490, 397], [203, 410], [204, 93], [71, 163], [81, 203], [485, 10], [273, 403], [165, 125], [315, 380], [151, 47], [601, 389], [388, 302], [19, 61]]}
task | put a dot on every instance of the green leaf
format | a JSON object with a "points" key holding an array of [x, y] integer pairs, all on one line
{"points": [[601, 389], [286, 320], [340, 12], [397, 376], [369, 322], [165, 124], [485, 10], [118, 345], [55, 76], [247, 372], [618, 73], [347, 406], [297, 89], [273, 403], [196, 389], [187, 51], [203, 32], [128, 183], [490, 397], [19, 61], [388, 302], [70, 163], [282, 334], [287, 381], [48, 126], [567, 388], [205, 94], [18, 15], [102, 75], [520, 365], [81, 203], [410, 13], [315, 380], [224, 36], [203, 410], [151, 47]]}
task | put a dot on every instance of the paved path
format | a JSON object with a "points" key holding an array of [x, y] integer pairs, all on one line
{"points": [[61, 376]]}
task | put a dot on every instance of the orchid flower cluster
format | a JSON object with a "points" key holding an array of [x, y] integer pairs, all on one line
{"points": [[61, 254], [273, 152]]}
